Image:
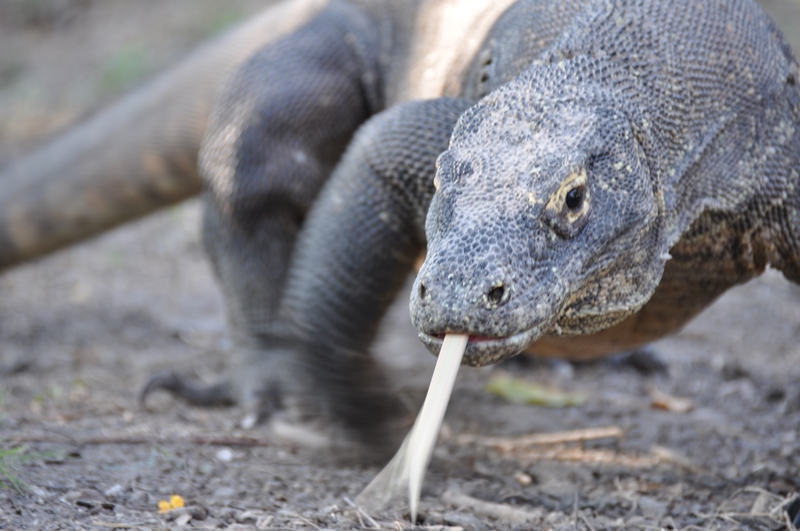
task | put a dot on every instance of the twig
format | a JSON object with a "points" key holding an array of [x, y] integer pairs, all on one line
{"points": [[585, 521], [507, 444], [575, 510], [788, 522], [594, 456], [309, 522], [493, 510], [204, 441], [669, 456], [362, 514], [114, 525]]}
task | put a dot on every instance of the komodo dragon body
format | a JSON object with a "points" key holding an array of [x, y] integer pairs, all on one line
{"points": [[604, 169]]}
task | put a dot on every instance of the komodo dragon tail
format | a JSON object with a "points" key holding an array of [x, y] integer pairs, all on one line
{"points": [[132, 158]]}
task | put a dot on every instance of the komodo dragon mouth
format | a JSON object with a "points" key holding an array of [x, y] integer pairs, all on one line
{"points": [[482, 350]]}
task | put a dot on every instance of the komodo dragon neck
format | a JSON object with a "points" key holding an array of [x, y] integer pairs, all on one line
{"points": [[447, 35]]}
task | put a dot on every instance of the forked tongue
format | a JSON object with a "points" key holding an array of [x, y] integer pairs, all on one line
{"points": [[407, 467]]}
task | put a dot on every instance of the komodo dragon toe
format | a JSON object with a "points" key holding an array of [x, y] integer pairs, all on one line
{"points": [[219, 394], [257, 386]]}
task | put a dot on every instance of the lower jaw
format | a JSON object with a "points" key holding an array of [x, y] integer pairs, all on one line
{"points": [[486, 350]]}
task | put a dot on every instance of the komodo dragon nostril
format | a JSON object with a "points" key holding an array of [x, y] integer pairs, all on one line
{"points": [[422, 291]]}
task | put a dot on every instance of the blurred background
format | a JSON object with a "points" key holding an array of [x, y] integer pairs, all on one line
{"points": [[60, 59]]}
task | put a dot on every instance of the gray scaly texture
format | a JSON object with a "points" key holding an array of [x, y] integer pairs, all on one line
{"points": [[609, 168], [674, 124]]}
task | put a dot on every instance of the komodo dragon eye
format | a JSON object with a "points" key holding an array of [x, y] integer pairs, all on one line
{"points": [[568, 209], [574, 198]]}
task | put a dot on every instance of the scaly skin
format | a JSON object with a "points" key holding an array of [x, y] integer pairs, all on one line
{"points": [[624, 165], [681, 160], [609, 169]]}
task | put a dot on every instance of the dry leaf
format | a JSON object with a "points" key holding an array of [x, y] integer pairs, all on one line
{"points": [[661, 400], [518, 391]]}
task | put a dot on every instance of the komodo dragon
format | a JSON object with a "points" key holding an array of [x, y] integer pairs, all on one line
{"points": [[605, 169]]}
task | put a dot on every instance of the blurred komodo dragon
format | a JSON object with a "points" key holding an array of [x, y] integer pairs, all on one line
{"points": [[604, 169]]}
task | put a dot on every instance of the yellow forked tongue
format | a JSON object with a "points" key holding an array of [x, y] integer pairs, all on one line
{"points": [[408, 466]]}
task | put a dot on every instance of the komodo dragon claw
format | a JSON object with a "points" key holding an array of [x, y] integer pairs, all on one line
{"points": [[218, 394], [260, 402]]}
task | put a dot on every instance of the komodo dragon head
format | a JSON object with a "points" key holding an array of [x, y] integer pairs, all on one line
{"points": [[546, 220]]}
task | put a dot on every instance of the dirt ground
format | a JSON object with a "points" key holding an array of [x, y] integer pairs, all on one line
{"points": [[714, 444]]}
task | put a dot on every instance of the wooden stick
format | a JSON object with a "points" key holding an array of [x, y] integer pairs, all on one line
{"points": [[204, 441], [508, 444]]}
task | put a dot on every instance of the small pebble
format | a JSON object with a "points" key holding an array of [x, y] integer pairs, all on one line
{"points": [[42, 493], [205, 468], [212, 523], [72, 495], [264, 521], [464, 521], [224, 493], [563, 370], [248, 421], [247, 517], [523, 478], [89, 499], [140, 498], [115, 491], [652, 507], [224, 455]]}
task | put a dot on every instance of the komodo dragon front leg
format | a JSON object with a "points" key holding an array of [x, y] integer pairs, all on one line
{"points": [[284, 122], [345, 274], [357, 248]]}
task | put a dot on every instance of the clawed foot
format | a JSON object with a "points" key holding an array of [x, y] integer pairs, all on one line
{"points": [[645, 361], [311, 382], [258, 386], [219, 394]]}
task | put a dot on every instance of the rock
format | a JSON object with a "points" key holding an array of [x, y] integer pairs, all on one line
{"points": [[652, 507], [115, 491], [224, 493], [224, 455], [465, 521]]}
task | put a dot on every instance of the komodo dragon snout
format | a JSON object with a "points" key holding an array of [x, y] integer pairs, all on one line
{"points": [[536, 201]]}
